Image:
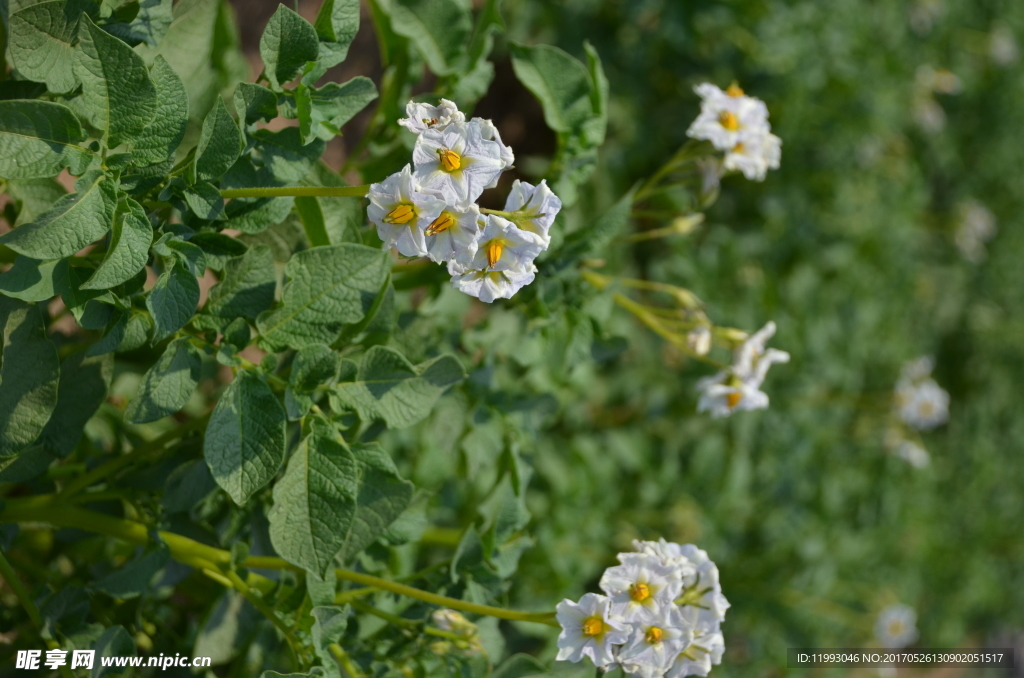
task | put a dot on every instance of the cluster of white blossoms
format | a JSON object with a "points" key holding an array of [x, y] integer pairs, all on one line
{"points": [[920, 402], [429, 209], [660, 615], [896, 626], [739, 386], [737, 124]]}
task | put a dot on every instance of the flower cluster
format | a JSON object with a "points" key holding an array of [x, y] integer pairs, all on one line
{"points": [[739, 386], [660, 615], [737, 124], [428, 209], [920, 402]]}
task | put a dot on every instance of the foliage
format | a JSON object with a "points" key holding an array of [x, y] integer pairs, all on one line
{"points": [[261, 438]]}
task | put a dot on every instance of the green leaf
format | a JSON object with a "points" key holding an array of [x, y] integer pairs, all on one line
{"points": [[149, 25], [173, 300], [329, 624], [334, 501], [247, 288], [128, 251], [83, 388], [42, 36], [245, 439], [38, 139], [440, 29], [115, 642], [187, 485], [204, 200], [323, 111], [168, 384], [34, 196], [559, 81], [308, 209], [341, 218], [313, 366], [159, 140], [594, 129], [285, 155], [287, 44], [254, 103], [32, 280], [119, 97], [219, 144], [595, 236], [328, 288], [389, 387], [29, 376], [135, 577], [73, 222], [336, 26]]}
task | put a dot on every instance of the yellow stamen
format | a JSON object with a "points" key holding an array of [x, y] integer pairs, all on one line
{"points": [[430, 122], [729, 121], [733, 399], [450, 160], [654, 635], [494, 250], [734, 90], [402, 214], [441, 224], [593, 626], [738, 148], [639, 592]]}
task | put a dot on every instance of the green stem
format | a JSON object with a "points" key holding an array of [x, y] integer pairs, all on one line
{"points": [[14, 581], [257, 601], [344, 661], [517, 214], [402, 622], [185, 550], [297, 191]]}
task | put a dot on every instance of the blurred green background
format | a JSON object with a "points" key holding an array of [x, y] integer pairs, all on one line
{"points": [[893, 116]]}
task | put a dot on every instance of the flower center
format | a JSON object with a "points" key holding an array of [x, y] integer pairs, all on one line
{"points": [[450, 160], [729, 121], [639, 592], [895, 627], [734, 90], [594, 626], [733, 399], [430, 122], [441, 224], [654, 635], [494, 251], [738, 148], [402, 214], [926, 409]]}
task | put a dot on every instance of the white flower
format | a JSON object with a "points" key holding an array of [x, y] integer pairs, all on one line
{"points": [[503, 247], [641, 583], [456, 161], [724, 393], [752, 360], [402, 213], [1002, 46], [739, 387], [455, 622], [452, 236], [588, 630], [920, 401], [658, 637], [489, 132], [913, 454], [754, 156], [538, 204], [896, 626], [976, 226], [487, 285], [702, 591], [424, 116], [705, 650], [729, 117]]}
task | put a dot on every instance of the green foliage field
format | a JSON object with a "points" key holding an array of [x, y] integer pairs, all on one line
{"points": [[252, 471]]}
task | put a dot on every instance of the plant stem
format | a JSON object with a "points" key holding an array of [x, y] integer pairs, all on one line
{"points": [[185, 550], [14, 581], [297, 191], [138, 454], [344, 661], [257, 601]]}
